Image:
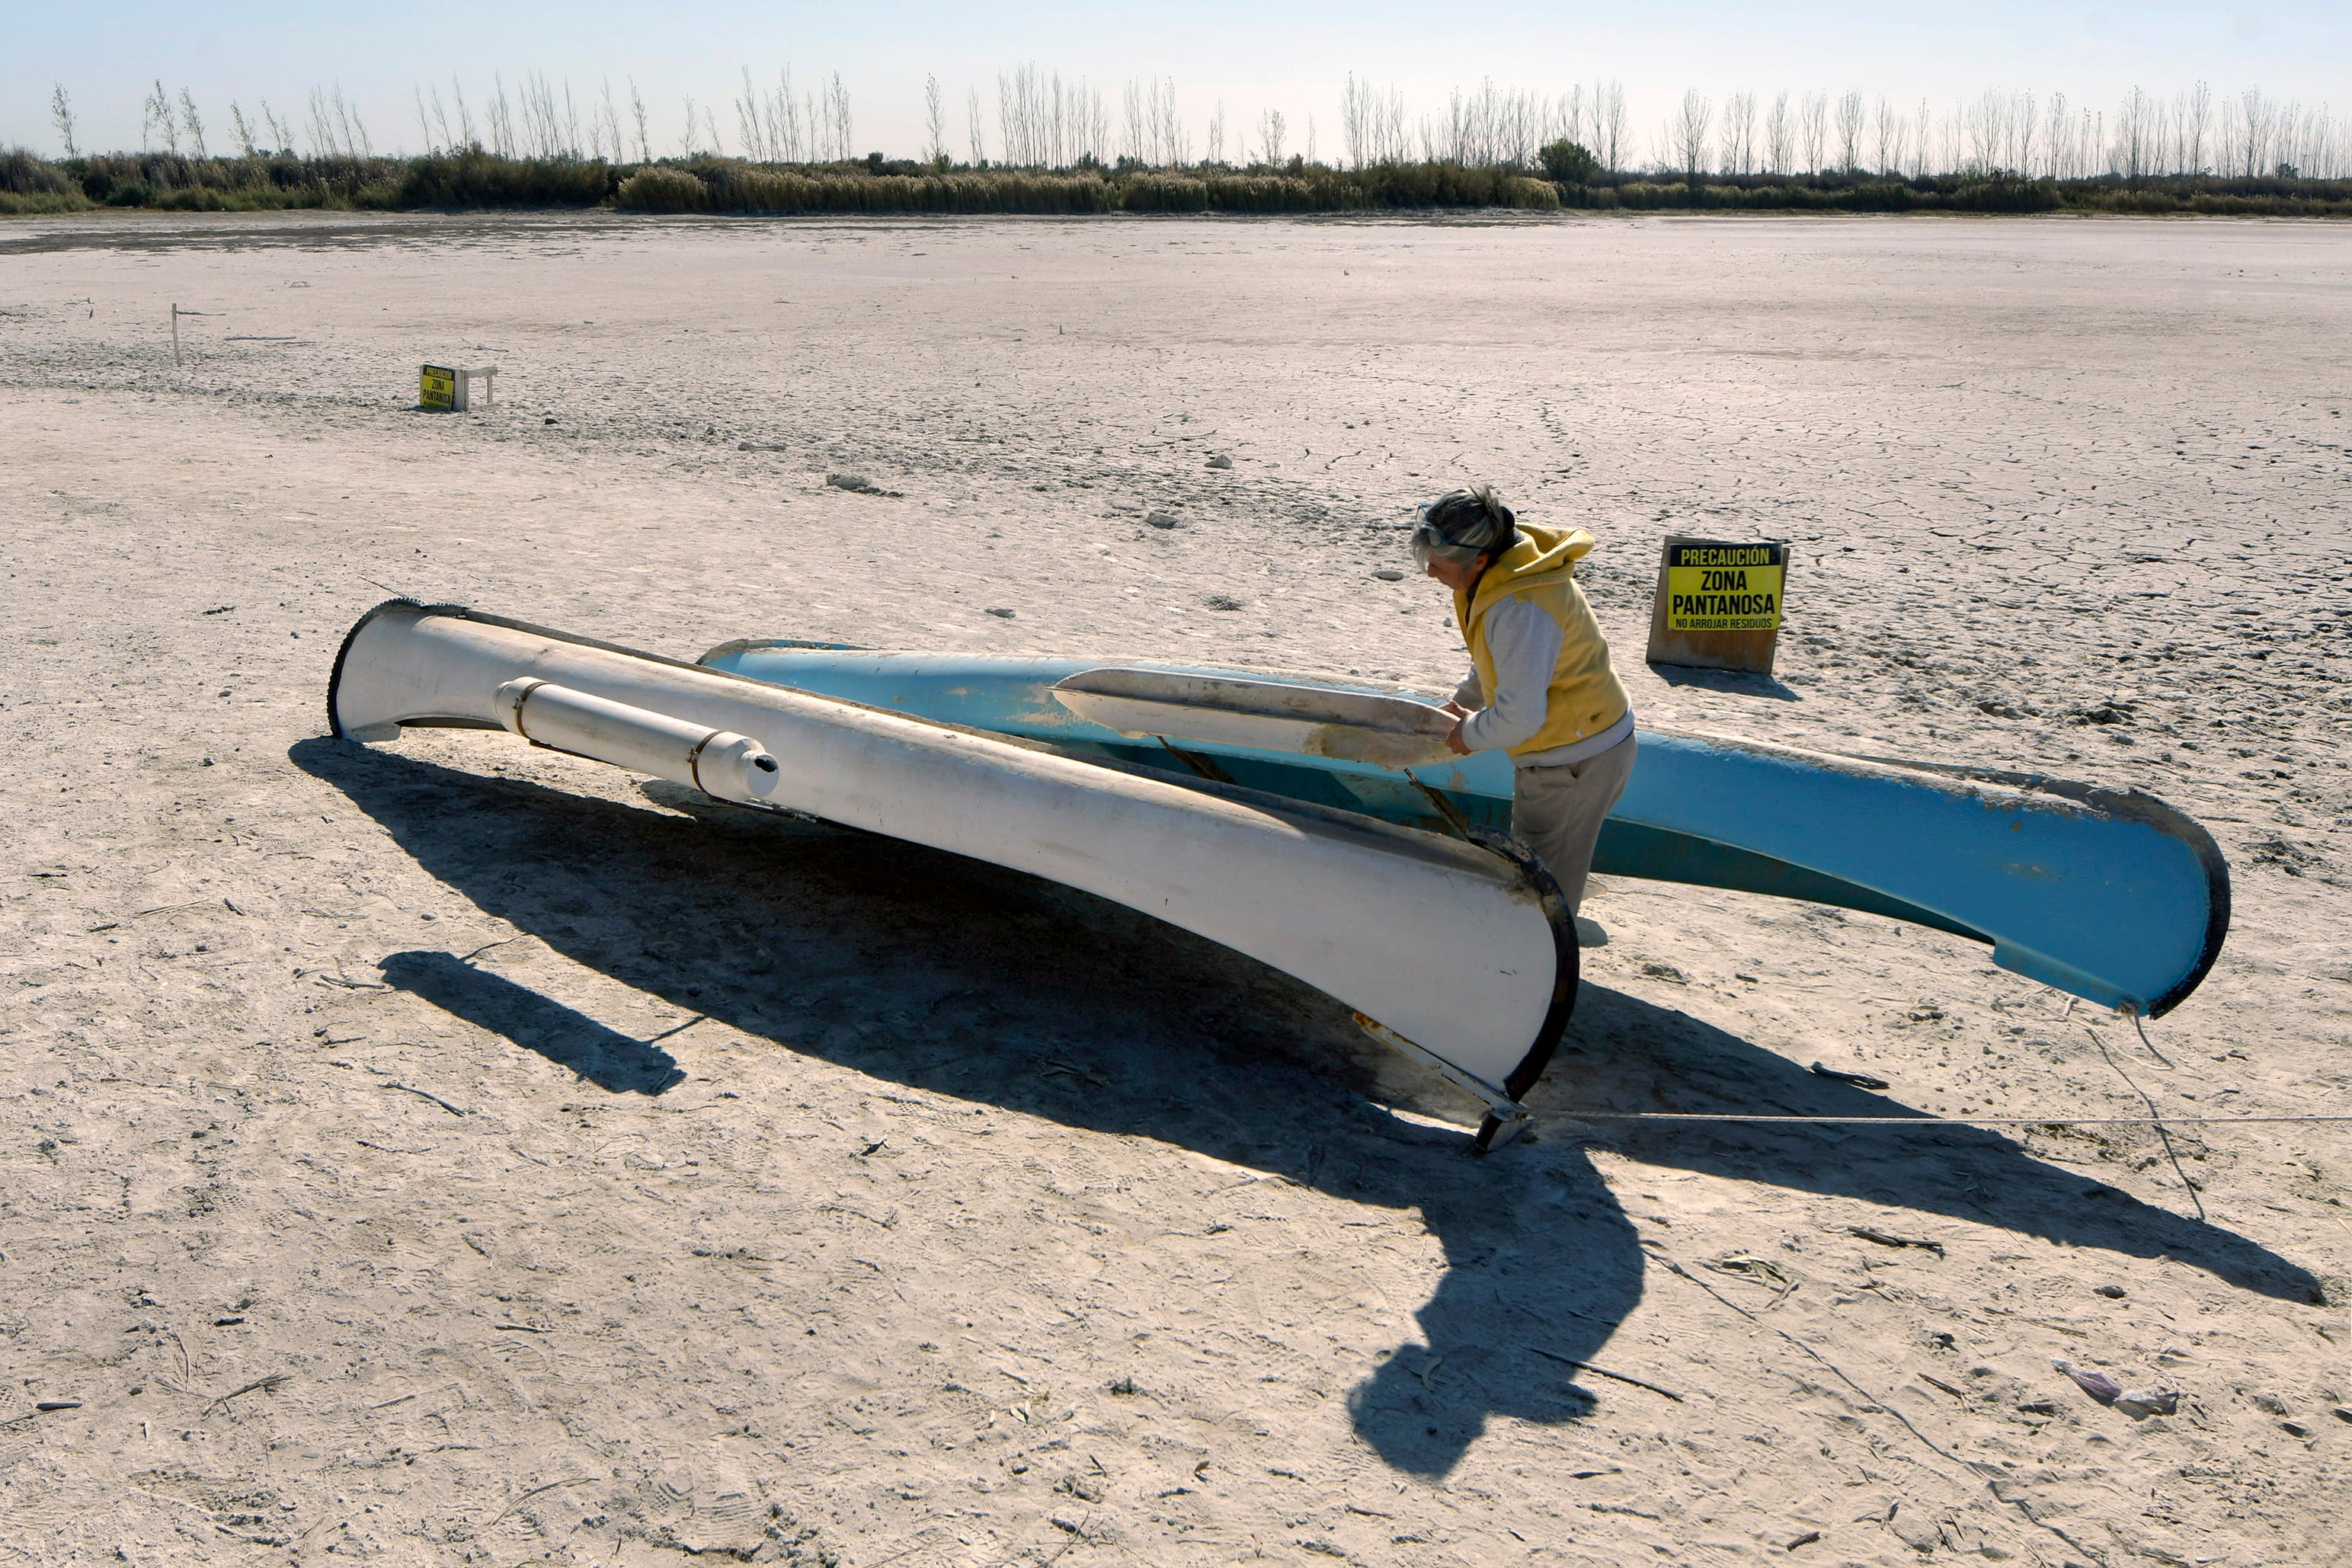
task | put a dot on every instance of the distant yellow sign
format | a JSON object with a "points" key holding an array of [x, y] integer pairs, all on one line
{"points": [[1718, 604], [440, 389], [1712, 587]]}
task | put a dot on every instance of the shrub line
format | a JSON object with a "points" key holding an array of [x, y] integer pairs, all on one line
{"points": [[475, 180]]}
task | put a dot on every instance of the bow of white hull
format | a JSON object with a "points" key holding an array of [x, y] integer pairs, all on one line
{"points": [[1459, 949]]}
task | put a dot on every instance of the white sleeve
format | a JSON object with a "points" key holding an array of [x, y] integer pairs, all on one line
{"points": [[1524, 644], [1470, 693]]}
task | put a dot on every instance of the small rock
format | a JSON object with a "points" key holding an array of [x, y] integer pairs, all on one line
{"points": [[1127, 506], [2108, 712], [550, 419], [1221, 461], [1667, 972], [2112, 1292], [2294, 1428], [2343, 1412], [1005, 614], [857, 484], [1389, 574], [1221, 602], [1164, 520]]}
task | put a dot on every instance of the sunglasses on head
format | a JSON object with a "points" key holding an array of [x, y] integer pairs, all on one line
{"points": [[1429, 540], [1429, 534]]}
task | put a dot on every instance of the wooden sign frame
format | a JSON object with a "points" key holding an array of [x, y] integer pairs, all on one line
{"points": [[1719, 603]]}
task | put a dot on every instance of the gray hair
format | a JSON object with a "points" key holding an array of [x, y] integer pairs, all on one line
{"points": [[1461, 525]]}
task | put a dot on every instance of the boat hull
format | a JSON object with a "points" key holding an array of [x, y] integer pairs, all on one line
{"points": [[1461, 950], [2112, 896]]}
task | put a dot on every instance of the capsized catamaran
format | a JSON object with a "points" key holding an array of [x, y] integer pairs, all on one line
{"points": [[2112, 896], [1454, 949]]}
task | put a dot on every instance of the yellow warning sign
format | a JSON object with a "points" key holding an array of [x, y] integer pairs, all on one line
{"points": [[440, 388], [1718, 604], [1712, 587]]}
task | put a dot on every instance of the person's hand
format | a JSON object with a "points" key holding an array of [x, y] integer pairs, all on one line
{"points": [[1454, 740], [1450, 706]]}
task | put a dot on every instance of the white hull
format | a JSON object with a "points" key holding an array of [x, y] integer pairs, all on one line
{"points": [[1457, 948]]}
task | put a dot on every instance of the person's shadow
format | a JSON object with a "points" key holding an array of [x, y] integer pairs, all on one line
{"points": [[960, 977]]}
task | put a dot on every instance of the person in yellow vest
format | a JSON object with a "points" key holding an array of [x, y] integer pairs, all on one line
{"points": [[1540, 685]]}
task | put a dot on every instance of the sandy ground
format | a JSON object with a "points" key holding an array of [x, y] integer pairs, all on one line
{"points": [[442, 1153]]}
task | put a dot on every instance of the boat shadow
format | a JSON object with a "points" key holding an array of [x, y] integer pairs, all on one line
{"points": [[604, 1057], [965, 979]]}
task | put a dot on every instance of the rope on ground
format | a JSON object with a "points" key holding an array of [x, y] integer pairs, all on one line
{"points": [[2164, 1136], [2153, 1119], [1929, 1122], [2144, 1040]]}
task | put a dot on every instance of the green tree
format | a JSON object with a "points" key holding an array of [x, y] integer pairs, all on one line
{"points": [[1567, 163]]}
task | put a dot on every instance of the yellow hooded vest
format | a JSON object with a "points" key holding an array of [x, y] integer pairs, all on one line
{"points": [[1585, 696]]}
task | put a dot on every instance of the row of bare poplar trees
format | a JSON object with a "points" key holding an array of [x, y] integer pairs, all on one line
{"points": [[2194, 132], [1045, 121], [536, 118]]}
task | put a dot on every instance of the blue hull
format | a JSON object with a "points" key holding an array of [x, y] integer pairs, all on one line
{"points": [[2114, 897]]}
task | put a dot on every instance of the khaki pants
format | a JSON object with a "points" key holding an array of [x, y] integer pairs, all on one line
{"points": [[1557, 812]]}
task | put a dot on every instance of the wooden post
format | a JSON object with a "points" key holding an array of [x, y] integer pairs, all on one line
{"points": [[176, 337]]}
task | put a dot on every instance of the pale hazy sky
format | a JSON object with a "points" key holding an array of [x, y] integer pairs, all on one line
{"points": [[1250, 57]]}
